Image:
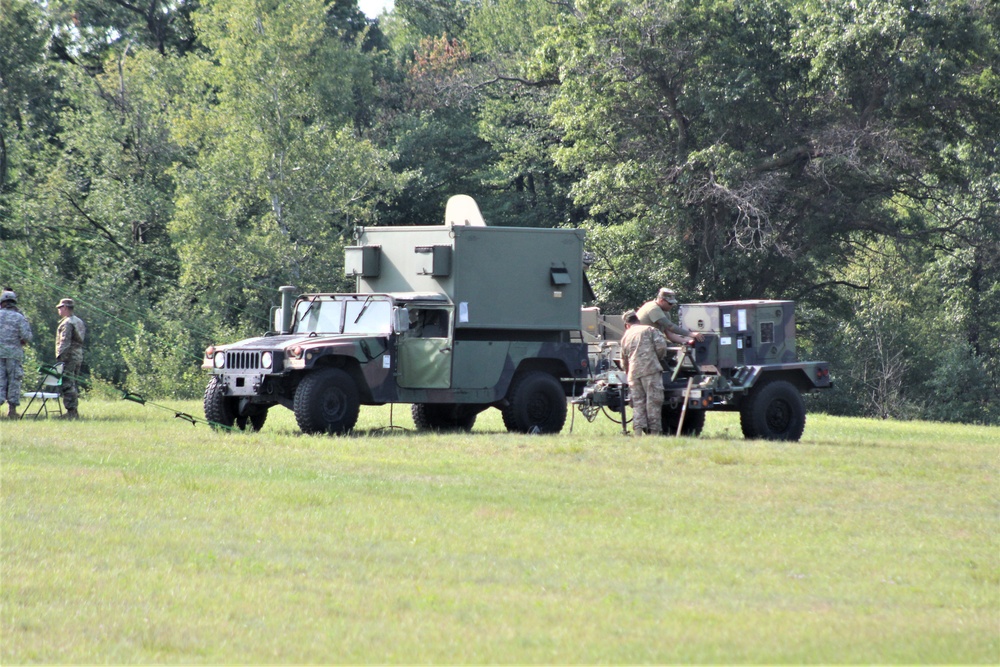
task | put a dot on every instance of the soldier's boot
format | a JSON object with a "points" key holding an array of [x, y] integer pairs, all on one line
{"points": [[71, 413], [12, 411]]}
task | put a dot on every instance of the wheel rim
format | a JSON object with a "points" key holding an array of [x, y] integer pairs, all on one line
{"points": [[539, 408], [779, 416], [334, 406]]}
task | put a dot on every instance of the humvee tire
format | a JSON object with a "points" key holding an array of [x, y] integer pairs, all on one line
{"points": [[773, 411], [326, 401], [694, 421], [442, 417], [536, 404], [219, 408], [222, 410]]}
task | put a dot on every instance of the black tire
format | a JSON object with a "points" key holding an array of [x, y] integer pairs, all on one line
{"points": [[442, 417], [326, 401], [536, 404], [219, 408], [694, 421], [224, 410], [774, 411]]}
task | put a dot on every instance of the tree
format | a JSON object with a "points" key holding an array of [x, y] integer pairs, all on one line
{"points": [[94, 207], [277, 177], [751, 136], [25, 88], [515, 95]]}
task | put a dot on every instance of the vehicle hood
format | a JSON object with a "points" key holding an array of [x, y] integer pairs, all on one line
{"points": [[284, 342]]}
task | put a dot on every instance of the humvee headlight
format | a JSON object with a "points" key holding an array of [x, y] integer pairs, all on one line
{"points": [[266, 359], [220, 359]]}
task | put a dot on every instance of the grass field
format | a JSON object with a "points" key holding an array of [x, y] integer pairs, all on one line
{"points": [[134, 537]]}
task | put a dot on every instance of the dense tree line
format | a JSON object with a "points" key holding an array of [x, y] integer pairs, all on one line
{"points": [[171, 164]]}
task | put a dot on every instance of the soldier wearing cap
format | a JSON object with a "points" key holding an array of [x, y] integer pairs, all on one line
{"points": [[15, 333], [644, 349], [657, 313], [69, 350]]}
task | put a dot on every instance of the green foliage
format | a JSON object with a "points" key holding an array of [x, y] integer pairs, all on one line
{"points": [[278, 178], [160, 362], [412, 21], [960, 389], [513, 117], [170, 165], [905, 352]]}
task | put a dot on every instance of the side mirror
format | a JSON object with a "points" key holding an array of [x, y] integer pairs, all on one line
{"points": [[276, 319], [400, 320]]}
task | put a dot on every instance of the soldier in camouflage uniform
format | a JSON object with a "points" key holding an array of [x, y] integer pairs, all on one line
{"points": [[657, 313], [643, 350], [69, 351], [15, 333]]}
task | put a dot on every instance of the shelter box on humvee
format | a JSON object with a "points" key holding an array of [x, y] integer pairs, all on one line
{"points": [[497, 277], [743, 333]]}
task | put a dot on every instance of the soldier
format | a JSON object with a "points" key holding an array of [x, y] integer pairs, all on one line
{"points": [[13, 307], [657, 313], [15, 333], [643, 350], [69, 350]]}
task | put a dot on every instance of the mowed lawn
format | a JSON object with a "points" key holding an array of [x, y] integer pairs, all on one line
{"points": [[135, 537]]}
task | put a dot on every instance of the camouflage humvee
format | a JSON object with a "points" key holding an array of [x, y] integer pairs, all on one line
{"points": [[747, 362], [453, 319]]}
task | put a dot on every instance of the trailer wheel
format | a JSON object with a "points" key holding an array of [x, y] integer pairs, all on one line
{"points": [[537, 404], [774, 411], [219, 408], [694, 421], [442, 417], [326, 401]]}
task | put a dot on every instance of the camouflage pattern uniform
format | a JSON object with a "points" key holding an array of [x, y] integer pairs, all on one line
{"points": [[15, 332], [69, 350], [643, 349], [652, 315]]}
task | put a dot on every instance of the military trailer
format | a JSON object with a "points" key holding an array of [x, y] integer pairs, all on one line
{"points": [[453, 319], [747, 362]]}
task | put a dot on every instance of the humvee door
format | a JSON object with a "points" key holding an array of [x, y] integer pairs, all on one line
{"points": [[424, 352]]}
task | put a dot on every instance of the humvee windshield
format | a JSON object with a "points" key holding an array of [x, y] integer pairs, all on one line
{"points": [[343, 314]]}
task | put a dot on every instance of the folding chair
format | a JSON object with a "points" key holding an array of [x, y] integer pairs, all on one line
{"points": [[47, 390]]}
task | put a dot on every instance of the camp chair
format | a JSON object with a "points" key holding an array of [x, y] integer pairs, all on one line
{"points": [[48, 390]]}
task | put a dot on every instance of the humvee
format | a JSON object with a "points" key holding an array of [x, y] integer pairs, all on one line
{"points": [[747, 362], [453, 319], [459, 318]]}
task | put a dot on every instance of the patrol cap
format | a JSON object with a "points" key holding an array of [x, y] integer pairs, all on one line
{"points": [[8, 295], [667, 294], [630, 317], [66, 302]]}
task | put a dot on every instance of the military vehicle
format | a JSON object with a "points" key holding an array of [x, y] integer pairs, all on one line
{"points": [[746, 362], [453, 319], [457, 318]]}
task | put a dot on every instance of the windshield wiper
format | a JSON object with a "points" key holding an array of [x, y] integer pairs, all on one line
{"points": [[368, 302], [300, 318]]}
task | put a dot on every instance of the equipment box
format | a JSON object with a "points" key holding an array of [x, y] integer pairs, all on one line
{"points": [[496, 277], [743, 333]]}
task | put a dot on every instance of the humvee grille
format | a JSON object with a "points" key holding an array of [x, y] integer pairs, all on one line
{"points": [[243, 360]]}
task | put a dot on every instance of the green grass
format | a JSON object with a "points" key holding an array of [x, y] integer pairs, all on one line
{"points": [[133, 537]]}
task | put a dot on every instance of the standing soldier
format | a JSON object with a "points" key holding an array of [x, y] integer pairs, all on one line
{"points": [[643, 350], [69, 350], [15, 333], [656, 313]]}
